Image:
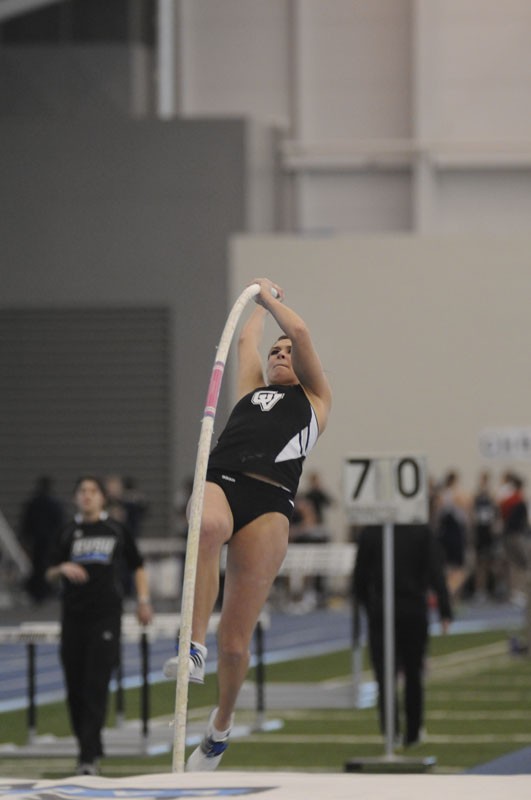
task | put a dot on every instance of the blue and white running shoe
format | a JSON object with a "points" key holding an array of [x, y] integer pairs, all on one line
{"points": [[198, 654], [207, 756]]}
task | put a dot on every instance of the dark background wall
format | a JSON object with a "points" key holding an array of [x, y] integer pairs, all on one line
{"points": [[100, 210], [86, 391]]}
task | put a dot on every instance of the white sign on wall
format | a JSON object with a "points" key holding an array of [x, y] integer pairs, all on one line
{"points": [[386, 488], [506, 443]]}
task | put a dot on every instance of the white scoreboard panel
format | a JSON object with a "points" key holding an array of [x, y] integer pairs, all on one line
{"points": [[386, 488]]}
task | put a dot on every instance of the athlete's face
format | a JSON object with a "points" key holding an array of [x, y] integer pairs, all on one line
{"points": [[89, 500], [279, 367]]}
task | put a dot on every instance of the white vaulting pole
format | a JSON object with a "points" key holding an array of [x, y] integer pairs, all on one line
{"points": [[194, 526]]}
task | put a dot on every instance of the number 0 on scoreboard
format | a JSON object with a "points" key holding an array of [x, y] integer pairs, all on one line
{"points": [[390, 488]]}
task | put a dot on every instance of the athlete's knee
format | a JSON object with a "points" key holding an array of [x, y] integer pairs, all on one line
{"points": [[215, 532], [233, 648]]}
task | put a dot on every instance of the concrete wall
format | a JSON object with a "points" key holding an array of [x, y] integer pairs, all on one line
{"points": [[398, 115]]}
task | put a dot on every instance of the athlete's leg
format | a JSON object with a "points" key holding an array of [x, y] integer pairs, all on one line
{"points": [[216, 529], [255, 554]]}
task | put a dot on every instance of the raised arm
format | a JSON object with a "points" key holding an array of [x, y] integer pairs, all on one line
{"points": [[250, 371], [304, 358]]}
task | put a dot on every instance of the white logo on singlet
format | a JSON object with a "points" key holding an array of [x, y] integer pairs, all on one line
{"points": [[266, 399]]}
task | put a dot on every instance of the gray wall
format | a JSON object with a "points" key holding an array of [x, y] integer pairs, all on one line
{"points": [[105, 210], [85, 391]]}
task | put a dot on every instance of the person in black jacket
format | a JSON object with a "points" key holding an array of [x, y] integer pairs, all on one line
{"points": [[88, 559], [418, 569], [42, 516]]}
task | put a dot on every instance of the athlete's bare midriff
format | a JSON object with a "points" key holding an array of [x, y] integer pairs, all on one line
{"points": [[265, 480]]}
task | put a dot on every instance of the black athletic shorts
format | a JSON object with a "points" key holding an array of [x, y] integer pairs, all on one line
{"points": [[249, 498]]}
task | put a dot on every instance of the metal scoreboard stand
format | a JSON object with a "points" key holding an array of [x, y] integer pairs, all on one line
{"points": [[387, 490]]}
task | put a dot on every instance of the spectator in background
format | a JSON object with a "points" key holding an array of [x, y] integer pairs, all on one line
{"points": [[304, 528], [318, 497], [42, 516], [114, 492], [127, 505], [306, 593], [417, 570], [135, 506], [433, 495], [452, 520], [484, 521], [87, 559], [515, 536]]}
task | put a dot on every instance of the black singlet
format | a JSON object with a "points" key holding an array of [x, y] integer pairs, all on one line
{"points": [[269, 432]]}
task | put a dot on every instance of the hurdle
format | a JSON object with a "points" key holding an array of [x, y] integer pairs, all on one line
{"points": [[164, 626], [329, 560]]}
